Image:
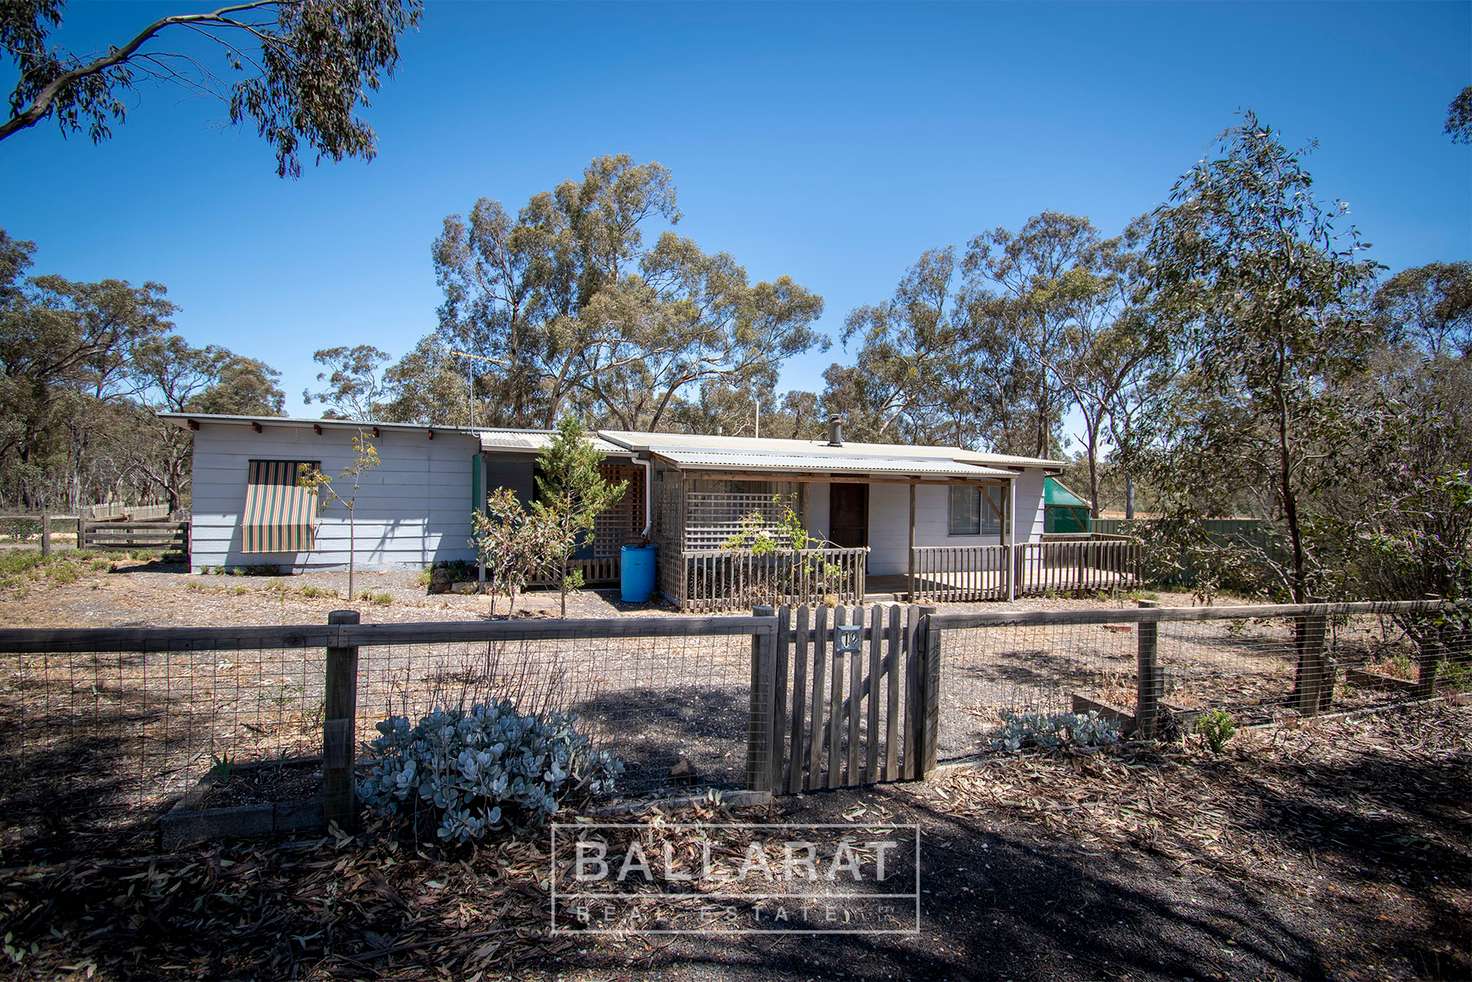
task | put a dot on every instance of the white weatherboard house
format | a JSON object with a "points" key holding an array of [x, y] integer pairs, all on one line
{"points": [[889, 512]]}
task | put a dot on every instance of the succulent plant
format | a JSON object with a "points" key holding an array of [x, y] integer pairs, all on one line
{"points": [[483, 769]]}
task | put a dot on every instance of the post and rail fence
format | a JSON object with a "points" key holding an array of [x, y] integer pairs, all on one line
{"points": [[782, 701], [170, 537]]}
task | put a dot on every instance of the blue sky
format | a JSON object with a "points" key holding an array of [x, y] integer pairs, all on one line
{"points": [[829, 142]]}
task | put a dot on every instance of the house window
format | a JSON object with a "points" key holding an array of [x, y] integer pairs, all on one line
{"points": [[965, 511], [279, 516], [970, 515]]}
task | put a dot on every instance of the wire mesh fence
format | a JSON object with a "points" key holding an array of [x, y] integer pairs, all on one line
{"points": [[103, 739], [98, 739], [107, 728], [674, 708], [1155, 671]]}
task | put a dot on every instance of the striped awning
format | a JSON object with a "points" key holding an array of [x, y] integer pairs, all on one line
{"points": [[279, 516]]}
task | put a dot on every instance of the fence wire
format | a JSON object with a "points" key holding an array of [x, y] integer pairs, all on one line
{"points": [[674, 709], [101, 743], [99, 740], [1259, 669]]}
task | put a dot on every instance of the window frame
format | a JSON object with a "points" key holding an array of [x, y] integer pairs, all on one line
{"points": [[951, 501], [987, 523]]}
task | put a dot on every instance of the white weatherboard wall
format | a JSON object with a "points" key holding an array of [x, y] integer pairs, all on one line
{"points": [[412, 510], [889, 520]]}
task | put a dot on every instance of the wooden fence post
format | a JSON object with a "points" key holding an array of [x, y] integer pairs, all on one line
{"points": [[759, 767], [930, 685], [338, 728], [46, 534], [1148, 677], [1313, 665]]}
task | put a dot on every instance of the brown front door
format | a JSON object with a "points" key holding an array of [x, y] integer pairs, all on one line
{"points": [[848, 515]]}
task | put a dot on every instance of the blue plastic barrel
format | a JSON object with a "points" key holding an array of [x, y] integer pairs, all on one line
{"points": [[636, 573]]}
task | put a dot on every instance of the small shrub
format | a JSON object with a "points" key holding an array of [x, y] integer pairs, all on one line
{"points": [[255, 570], [487, 768], [194, 585], [1397, 666], [1216, 727], [1052, 730], [315, 592], [222, 767], [380, 597], [239, 591], [19, 561], [1456, 676]]}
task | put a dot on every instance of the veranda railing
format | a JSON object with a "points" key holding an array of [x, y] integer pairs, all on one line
{"points": [[983, 572], [737, 579]]}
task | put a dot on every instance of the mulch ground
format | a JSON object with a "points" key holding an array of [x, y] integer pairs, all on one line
{"points": [[1336, 849]]}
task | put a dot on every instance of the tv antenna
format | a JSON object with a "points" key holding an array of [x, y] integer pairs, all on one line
{"points": [[470, 360]]}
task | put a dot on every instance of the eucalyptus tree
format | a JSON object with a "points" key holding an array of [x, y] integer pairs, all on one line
{"points": [[1026, 291], [1459, 117], [909, 380], [298, 70], [567, 305], [64, 345], [430, 385], [353, 382], [167, 374], [84, 368], [1115, 359], [1430, 308], [1269, 287], [687, 318], [515, 287]]}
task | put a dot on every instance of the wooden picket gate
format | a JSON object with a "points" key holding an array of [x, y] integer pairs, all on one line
{"points": [[843, 697]]}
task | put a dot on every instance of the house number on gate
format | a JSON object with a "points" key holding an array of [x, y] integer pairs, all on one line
{"points": [[847, 638]]}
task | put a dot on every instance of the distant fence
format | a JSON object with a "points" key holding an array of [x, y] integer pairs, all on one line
{"points": [[170, 537], [1249, 533], [599, 571], [137, 513], [21, 526]]}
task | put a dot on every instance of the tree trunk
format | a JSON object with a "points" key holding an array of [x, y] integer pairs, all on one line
{"points": [[352, 549], [1129, 497], [562, 590], [1093, 455]]}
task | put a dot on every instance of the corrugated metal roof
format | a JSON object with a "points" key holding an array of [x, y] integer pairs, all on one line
{"points": [[300, 421], [661, 442], [533, 441], [826, 464]]}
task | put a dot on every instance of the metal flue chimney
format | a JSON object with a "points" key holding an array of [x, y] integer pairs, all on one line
{"points": [[835, 430]]}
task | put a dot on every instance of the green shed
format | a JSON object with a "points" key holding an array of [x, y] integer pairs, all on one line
{"points": [[1063, 511]]}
